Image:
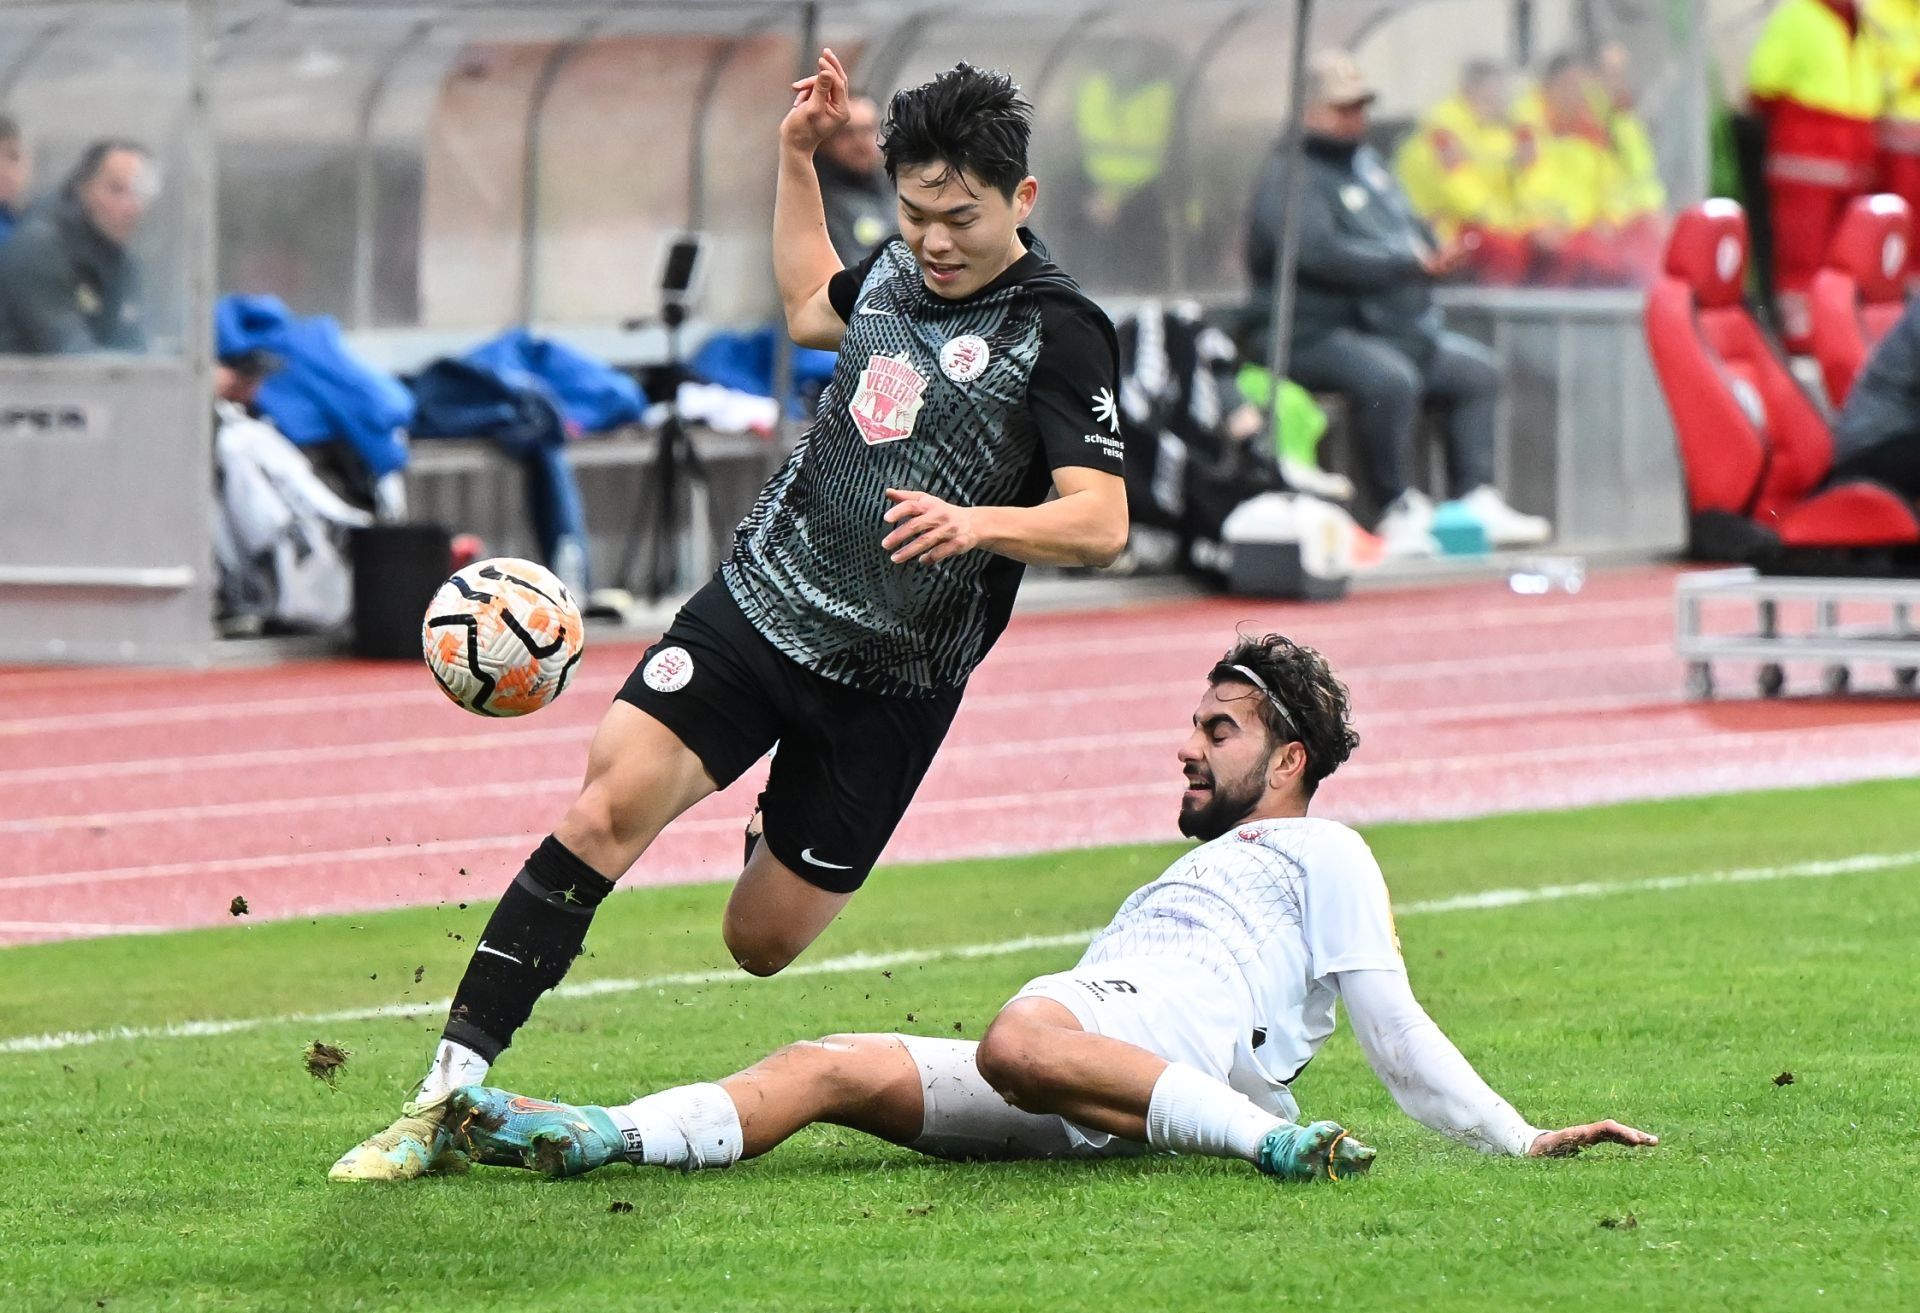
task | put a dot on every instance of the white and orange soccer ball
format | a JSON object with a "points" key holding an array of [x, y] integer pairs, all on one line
{"points": [[503, 637]]}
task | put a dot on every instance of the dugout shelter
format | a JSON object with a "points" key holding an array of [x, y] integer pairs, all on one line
{"points": [[433, 173]]}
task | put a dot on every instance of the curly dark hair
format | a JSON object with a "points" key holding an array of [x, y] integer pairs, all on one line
{"points": [[968, 119], [1306, 704]]}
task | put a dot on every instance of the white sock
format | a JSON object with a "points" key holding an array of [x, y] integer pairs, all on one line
{"points": [[1191, 1112], [454, 1065], [691, 1127]]}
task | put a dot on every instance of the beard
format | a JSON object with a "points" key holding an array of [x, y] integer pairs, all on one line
{"points": [[1226, 806]]}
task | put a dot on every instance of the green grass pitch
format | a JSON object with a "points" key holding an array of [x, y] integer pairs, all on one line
{"points": [[167, 1172]]}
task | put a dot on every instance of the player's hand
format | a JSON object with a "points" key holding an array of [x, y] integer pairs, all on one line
{"points": [[926, 528], [1569, 1142], [819, 106]]}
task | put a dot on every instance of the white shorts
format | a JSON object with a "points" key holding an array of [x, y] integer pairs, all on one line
{"points": [[1167, 1006], [1174, 1008], [965, 1119]]}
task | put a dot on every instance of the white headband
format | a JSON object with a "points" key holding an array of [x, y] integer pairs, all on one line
{"points": [[1293, 726]]}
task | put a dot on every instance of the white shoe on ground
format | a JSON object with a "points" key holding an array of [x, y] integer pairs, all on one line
{"points": [[1406, 529], [1505, 526]]}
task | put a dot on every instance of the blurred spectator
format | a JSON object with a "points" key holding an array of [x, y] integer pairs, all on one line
{"points": [[1877, 434], [16, 174], [1572, 188], [1458, 170], [68, 283], [1813, 79], [1639, 205], [1893, 27], [860, 203], [1123, 116], [1364, 319]]}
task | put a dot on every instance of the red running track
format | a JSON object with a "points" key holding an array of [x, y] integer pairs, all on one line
{"points": [[138, 800]]}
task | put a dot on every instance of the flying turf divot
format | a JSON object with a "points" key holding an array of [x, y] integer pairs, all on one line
{"points": [[1484, 900]]}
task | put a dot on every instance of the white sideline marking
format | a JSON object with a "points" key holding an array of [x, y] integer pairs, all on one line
{"points": [[1825, 868]]}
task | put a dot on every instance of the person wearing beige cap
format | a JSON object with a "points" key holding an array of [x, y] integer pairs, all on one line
{"points": [[1364, 321]]}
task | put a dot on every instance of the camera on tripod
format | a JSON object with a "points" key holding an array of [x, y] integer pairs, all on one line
{"points": [[682, 264]]}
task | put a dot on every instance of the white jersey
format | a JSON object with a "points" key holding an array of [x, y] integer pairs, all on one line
{"points": [[1273, 908]]}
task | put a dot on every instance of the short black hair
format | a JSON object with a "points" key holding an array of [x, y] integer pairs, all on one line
{"points": [[1481, 71], [1304, 703], [1561, 63], [970, 120], [93, 157]]}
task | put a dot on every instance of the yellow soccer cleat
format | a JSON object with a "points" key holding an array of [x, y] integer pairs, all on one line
{"points": [[419, 1144]]}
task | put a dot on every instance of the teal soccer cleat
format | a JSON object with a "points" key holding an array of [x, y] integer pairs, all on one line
{"points": [[1310, 1153], [501, 1129]]}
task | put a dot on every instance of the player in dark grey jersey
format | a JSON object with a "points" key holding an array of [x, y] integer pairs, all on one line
{"points": [[969, 430]]}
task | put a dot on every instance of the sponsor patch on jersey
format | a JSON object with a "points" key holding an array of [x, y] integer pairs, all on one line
{"points": [[888, 400], [668, 670], [964, 358], [1104, 409]]}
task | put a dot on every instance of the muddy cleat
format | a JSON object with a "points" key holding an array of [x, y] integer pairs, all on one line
{"points": [[1309, 1153], [416, 1145], [502, 1129]]}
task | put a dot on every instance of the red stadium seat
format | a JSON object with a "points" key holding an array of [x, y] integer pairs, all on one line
{"points": [[1754, 449], [1862, 289]]}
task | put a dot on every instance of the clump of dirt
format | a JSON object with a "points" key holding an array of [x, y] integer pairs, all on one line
{"points": [[418, 972], [324, 1061], [238, 907], [1627, 1223], [619, 1206], [1784, 1078]]}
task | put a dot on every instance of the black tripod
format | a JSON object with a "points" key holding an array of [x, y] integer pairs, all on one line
{"points": [[676, 461]]}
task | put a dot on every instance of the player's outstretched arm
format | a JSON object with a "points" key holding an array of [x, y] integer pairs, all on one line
{"points": [[1436, 1086], [1085, 525], [1566, 1143], [803, 256]]}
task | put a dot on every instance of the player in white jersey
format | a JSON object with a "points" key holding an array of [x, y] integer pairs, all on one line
{"points": [[1181, 1030]]}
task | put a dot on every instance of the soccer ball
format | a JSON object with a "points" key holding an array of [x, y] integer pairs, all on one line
{"points": [[502, 637]]}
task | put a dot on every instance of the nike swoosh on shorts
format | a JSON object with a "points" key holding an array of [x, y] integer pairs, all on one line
{"points": [[806, 855]]}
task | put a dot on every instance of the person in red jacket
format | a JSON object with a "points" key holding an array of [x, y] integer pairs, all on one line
{"points": [[1815, 81]]}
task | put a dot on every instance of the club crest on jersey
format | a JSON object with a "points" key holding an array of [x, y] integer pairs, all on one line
{"points": [[668, 671], [888, 400], [964, 358]]}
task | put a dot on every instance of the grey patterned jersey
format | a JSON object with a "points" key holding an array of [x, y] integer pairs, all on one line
{"points": [[973, 401]]}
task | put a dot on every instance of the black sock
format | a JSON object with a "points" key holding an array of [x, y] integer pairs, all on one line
{"points": [[530, 941]]}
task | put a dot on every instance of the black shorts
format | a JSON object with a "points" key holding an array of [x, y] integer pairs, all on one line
{"points": [[849, 760]]}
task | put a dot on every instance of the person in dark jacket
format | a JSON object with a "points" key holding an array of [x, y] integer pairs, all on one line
{"points": [[1877, 434], [1364, 320], [68, 282], [854, 186]]}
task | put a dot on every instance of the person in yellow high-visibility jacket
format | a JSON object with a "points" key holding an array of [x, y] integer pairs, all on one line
{"points": [[1815, 80], [1638, 205], [1569, 185], [1893, 29], [1457, 169]]}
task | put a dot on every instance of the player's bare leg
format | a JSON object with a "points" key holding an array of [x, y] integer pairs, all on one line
{"points": [[640, 776], [774, 914], [868, 1083], [1040, 1059]]}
